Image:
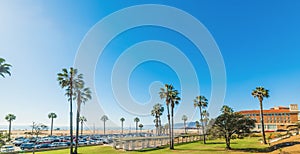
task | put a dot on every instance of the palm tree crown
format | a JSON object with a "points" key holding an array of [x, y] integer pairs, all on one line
{"points": [[260, 93], [82, 119], [4, 67], [104, 118], [200, 102], [52, 115]]}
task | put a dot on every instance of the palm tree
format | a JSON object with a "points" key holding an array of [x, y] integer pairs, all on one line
{"points": [[82, 95], [157, 111], [68, 80], [104, 118], [52, 116], [261, 93], [10, 118], [171, 97], [205, 115], [4, 67], [141, 127], [201, 102], [184, 118], [136, 120], [122, 122], [198, 126], [82, 119]]}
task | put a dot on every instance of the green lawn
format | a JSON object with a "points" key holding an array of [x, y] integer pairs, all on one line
{"points": [[216, 146]]}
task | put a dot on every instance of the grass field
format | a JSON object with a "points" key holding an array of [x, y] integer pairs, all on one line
{"points": [[216, 146]]}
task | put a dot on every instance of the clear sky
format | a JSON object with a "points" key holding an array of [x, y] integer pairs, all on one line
{"points": [[258, 40]]}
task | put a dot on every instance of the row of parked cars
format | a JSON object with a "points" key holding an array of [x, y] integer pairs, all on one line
{"points": [[63, 141]]}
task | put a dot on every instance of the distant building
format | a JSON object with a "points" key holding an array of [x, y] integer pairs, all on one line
{"points": [[277, 118]]}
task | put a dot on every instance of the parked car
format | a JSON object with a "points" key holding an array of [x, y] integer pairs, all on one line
{"points": [[27, 146], [7, 148], [44, 145]]}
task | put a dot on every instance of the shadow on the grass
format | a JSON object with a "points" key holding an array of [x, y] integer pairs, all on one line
{"points": [[267, 149]]}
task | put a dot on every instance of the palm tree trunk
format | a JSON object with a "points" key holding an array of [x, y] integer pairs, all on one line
{"points": [[51, 126], [262, 122], [104, 127], [169, 126], [184, 126], [122, 126], [159, 125], [9, 130], [156, 125], [81, 127], [71, 114], [203, 132], [172, 115], [77, 131]]}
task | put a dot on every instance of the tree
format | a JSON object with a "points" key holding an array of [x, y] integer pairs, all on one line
{"points": [[141, 126], [184, 118], [201, 102], [4, 68], [68, 80], [136, 120], [171, 97], [51, 116], [261, 93], [82, 119], [205, 115], [104, 118], [38, 128], [10, 118], [122, 123], [229, 123], [157, 111], [197, 123], [82, 95]]}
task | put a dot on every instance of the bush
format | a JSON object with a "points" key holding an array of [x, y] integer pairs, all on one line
{"points": [[255, 135], [234, 136]]}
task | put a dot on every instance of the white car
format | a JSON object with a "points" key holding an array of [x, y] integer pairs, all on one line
{"points": [[7, 148]]}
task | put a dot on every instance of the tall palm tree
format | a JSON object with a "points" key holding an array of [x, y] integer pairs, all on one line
{"points": [[136, 120], [82, 119], [52, 116], [261, 93], [184, 118], [122, 123], [68, 80], [4, 67], [82, 95], [104, 118], [10, 118], [201, 102], [171, 97], [157, 111]]}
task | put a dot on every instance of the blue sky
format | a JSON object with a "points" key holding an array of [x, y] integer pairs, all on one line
{"points": [[259, 43]]}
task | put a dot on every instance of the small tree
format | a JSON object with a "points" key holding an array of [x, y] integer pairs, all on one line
{"points": [[104, 118], [10, 118], [184, 118], [122, 123], [82, 119], [197, 126], [39, 128], [141, 127], [229, 123], [136, 120], [51, 116]]}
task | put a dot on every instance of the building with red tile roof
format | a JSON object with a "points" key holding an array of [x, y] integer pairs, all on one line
{"points": [[277, 118]]}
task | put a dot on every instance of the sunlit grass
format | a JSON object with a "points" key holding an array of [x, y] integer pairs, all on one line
{"points": [[215, 146]]}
